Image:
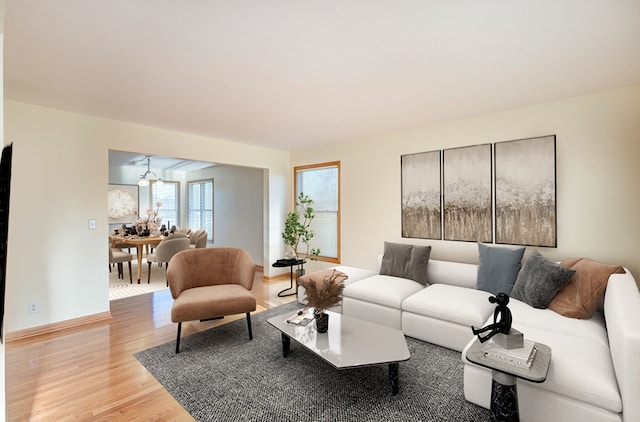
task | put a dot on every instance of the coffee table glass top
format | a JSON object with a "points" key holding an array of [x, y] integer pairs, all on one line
{"points": [[350, 342]]}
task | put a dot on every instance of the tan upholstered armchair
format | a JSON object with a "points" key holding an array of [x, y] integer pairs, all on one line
{"points": [[207, 283]]}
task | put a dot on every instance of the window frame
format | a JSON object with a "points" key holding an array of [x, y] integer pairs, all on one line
{"points": [[308, 167], [152, 202], [211, 233]]}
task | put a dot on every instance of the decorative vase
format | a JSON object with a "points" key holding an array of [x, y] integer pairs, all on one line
{"points": [[322, 322]]}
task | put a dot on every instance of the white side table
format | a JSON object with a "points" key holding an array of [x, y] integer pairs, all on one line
{"points": [[504, 393]]}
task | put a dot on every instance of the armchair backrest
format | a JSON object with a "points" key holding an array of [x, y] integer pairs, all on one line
{"points": [[210, 266]]}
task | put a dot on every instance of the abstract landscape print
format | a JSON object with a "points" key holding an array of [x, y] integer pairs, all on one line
{"points": [[525, 180], [421, 203], [468, 194]]}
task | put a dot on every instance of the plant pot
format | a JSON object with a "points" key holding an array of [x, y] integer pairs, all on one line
{"points": [[322, 322]]}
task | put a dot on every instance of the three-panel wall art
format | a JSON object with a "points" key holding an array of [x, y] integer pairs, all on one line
{"points": [[503, 192]]}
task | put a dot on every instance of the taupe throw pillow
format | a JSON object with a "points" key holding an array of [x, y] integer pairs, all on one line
{"points": [[406, 261], [539, 280]]}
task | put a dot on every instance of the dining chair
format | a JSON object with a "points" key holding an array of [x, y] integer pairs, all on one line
{"points": [[117, 256], [198, 239], [165, 250]]}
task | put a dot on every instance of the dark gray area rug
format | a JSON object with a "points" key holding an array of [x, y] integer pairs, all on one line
{"points": [[219, 375]]}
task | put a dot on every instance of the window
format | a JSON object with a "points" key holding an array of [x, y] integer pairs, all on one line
{"points": [[169, 194], [321, 182], [200, 206]]}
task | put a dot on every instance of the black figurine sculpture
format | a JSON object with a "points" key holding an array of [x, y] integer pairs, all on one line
{"points": [[501, 318]]}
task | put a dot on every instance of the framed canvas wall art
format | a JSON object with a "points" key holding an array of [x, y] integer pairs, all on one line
{"points": [[122, 204], [468, 194], [525, 180], [421, 198]]}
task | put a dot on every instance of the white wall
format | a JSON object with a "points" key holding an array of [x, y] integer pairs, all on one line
{"points": [[238, 207], [60, 178], [598, 171]]}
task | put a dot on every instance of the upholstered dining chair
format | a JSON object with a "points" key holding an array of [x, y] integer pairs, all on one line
{"points": [[208, 283], [117, 256], [165, 250], [198, 239]]}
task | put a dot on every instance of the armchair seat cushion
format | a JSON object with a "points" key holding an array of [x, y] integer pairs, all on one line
{"points": [[209, 301]]}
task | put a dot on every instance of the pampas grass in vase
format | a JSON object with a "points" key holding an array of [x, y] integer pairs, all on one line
{"points": [[322, 293]]}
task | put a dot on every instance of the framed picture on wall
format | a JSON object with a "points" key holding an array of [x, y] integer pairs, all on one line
{"points": [[122, 204], [525, 179], [467, 194], [421, 197]]}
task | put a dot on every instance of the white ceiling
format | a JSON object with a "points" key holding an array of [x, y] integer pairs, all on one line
{"points": [[156, 162], [294, 74]]}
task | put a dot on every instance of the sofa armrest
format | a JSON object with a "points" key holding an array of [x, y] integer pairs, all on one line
{"points": [[622, 315]]}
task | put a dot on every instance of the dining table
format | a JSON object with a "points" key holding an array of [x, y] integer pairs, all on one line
{"points": [[138, 242]]}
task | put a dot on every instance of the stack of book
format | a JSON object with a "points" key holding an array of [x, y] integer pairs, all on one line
{"points": [[301, 317], [522, 356]]}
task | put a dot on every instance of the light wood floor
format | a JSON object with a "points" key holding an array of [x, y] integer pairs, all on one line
{"points": [[90, 374]]}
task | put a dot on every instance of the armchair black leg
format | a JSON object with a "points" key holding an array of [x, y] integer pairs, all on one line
{"points": [[149, 274], [178, 339], [249, 325]]}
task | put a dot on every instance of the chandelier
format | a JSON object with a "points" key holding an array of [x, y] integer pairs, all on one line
{"points": [[148, 175]]}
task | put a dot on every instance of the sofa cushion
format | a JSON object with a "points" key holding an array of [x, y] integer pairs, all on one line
{"points": [[451, 303], [593, 329], [581, 369], [580, 298], [498, 268], [453, 273], [406, 261], [539, 280], [383, 290]]}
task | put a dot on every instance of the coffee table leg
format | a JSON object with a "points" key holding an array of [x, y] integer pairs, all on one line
{"points": [[286, 344], [393, 377], [504, 397]]}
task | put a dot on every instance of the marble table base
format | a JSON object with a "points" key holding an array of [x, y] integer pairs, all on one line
{"points": [[504, 398]]}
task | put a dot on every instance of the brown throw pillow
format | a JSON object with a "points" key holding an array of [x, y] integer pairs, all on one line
{"points": [[323, 289], [322, 276], [580, 298]]}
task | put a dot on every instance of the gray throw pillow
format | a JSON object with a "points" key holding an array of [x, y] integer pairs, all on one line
{"points": [[539, 281], [498, 268], [406, 261]]}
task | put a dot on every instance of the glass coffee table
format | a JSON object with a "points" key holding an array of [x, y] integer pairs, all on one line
{"points": [[349, 343]]}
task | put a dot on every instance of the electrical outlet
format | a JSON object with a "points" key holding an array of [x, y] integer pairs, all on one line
{"points": [[34, 307], [92, 224]]}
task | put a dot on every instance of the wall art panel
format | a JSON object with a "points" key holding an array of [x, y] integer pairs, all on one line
{"points": [[525, 179], [468, 194], [421, 198]]}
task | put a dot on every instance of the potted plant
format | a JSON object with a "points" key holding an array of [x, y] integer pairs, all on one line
{"points": [[297, 230], [323, 290]]}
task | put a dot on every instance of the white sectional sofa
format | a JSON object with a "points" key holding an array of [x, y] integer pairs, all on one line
{"points": [[595, 366]]}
